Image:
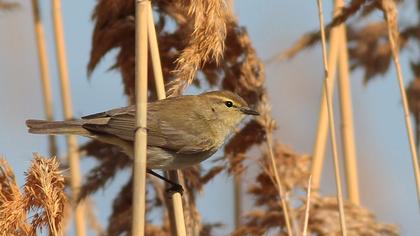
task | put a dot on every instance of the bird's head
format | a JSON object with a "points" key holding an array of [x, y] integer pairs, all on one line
{"points": [[228, 107]]}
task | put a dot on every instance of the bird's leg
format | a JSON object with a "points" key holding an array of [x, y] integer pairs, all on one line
{"points": [[175, 187]]}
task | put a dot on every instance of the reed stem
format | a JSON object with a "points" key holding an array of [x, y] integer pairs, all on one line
{"points": [[318, 155], [279, 184], [72, 146], [328, 94], [391, 15], [44, 72], [160, 91], [347, 128], [140, 148], [154, 52]]}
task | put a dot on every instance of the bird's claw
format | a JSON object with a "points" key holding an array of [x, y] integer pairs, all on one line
{"points": [[175, 188]]}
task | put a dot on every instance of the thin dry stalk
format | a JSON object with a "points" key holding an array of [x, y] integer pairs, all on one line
{"points": [[72, 145], [331, 122], [139, 185], [308, 206], [322, 130], [154, 52], [391, 15], [160, 91], [43, 68], [347, 129], [337, 53], [279, 184]]}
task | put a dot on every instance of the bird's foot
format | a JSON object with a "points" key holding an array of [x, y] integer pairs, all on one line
{"points": [[175, 188]]}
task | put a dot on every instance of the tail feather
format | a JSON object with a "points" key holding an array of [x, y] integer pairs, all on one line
{"points": [[57, 127]]}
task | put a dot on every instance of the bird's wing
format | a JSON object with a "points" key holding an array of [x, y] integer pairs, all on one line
{"points": [[180, 132], [181, 137], [119, 122]]}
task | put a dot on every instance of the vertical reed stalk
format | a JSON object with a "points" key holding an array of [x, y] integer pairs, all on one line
{"points": [[347, 129], [279, 184], [308, 206], [140, 148], [44, 71], [338, 53], [160, 90], [154, 52], [391, 15], [328, 94], [178, 209], [318, 155], [72, 145]]}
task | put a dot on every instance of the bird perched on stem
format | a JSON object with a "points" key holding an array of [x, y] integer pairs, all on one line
{"points": [[181, 131]]}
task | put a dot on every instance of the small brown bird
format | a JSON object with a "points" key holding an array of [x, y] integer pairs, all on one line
{"points": [[181, 131]]}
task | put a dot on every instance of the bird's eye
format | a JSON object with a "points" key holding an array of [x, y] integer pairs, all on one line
{"points": [[229, 104]]}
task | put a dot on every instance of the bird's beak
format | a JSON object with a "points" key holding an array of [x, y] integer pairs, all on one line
{"points": [[249, 111]]}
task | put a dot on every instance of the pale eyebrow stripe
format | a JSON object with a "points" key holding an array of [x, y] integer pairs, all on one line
{"points": [[236, 102]]}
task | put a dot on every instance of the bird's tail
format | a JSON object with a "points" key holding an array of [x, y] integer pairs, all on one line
{"points": [[57, 127]]}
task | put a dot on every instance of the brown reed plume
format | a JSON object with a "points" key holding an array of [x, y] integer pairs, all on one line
{"points": [[43, 198], [205, 43], [44, 194], [294, 170], [12, 208], [359, 221], [368, 47], [309, 39]]}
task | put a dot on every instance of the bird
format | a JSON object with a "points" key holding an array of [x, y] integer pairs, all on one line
{"points": [[182, 131]]}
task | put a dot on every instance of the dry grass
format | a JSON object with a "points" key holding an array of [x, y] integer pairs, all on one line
{"points": [[43, 198]]}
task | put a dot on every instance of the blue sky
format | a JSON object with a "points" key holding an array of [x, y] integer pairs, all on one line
{"points": [[387, 182]]}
